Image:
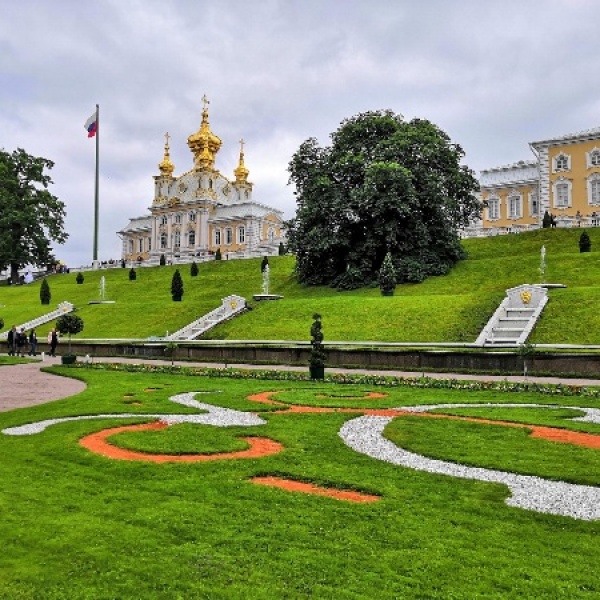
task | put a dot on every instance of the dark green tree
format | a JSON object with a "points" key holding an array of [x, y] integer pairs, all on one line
{"points": [[69, 325], [218, 254], [30, 216], [177, 286], [387, 276], [317, 351], [282, 249], [383, 185], [163, 260], [585, 244], [194, 269], [45, 294], [79, 279], [132, 274]]}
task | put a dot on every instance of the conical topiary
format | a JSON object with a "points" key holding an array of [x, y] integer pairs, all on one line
{"points": [[177, 286], [194, 269], [45, 294], [585, 244], [387, 276]]}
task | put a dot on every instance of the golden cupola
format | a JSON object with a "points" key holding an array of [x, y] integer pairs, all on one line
{"points": [[166, 167], [241, 172], [204, 144]]}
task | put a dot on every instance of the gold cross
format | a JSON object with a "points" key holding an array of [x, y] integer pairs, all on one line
{"points": [[242, 144], [205, 101], [167, 136]]}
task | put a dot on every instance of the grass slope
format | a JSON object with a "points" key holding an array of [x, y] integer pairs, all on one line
{"points": [[77, 525], [452, 308]]}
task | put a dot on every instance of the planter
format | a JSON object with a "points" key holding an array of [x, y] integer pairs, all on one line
{"points": [[317, 372], [68, 359]]}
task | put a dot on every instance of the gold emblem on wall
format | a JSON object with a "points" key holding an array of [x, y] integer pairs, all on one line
{"points": [[526, 297]]}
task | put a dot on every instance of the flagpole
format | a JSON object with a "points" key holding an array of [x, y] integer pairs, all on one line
{"points": [[95, 257]]}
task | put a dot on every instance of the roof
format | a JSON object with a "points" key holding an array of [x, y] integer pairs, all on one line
{"points": [[593, 133]]}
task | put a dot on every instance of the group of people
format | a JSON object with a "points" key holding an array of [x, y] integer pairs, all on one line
{"points": [[20, 341]]}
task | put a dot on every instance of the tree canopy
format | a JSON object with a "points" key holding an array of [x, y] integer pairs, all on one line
{"points": [[384, 185], [30, 216]]}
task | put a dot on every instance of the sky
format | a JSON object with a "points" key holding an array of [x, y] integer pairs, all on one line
{"points": [[493, 74]]}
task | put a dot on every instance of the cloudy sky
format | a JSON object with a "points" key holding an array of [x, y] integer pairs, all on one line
{"points": [[494, 74]]}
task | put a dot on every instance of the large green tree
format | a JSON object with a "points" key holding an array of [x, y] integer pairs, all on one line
{"points": [[384, 185], [30, 216]]}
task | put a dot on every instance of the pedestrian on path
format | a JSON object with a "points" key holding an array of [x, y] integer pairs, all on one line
{"points": [[53, 341], [33, 343], [21, 342], [12, 341]]}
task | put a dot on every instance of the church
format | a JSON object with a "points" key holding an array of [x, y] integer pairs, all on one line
{"points": [[200, 212]]}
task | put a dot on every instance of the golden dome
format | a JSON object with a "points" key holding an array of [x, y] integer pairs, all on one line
{"points": [[241, 172], [204, 144], [166, 167]]}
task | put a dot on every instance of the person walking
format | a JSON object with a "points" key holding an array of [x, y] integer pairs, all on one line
{"points": [[12, 341], [21, 342], [53, 341], [32, 343]]}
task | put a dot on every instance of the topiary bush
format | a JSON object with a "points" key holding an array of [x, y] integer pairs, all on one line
{"points": [[163, 260], [132, 274], [218, 254], [69, 325], [79, 278], [194, 269], [45, 294], [282, 249], [177, 286], [317, 352], [387, 276], [585, 244]]}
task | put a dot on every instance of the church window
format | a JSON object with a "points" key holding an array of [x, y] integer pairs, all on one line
{"points": [[228, 236], [241, 234], [493, 208], [191, 239], [163, 220], [177, 218], [562, 193], [177, 239], [217, 237], [163, 240], [192, 216], [562, 162], [514, 207], [594, 189]]}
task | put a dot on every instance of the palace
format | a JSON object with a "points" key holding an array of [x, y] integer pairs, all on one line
{"points": [[563, 180], [202, 211]]}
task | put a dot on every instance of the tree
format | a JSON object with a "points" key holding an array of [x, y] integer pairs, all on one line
{"points": [[30, 216], [132, 274], [79, 279], [69, 324], [383, 185], [45, 294], [162, 261], [177, 286], [585, 244], [387, 276], [194, 269], [317, 351]]}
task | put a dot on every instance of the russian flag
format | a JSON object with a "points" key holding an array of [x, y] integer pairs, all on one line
{"points": [[91, 125]]}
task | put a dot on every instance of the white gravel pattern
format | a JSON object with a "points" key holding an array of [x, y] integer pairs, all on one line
{"points": [[214, 415], [365, 435]]}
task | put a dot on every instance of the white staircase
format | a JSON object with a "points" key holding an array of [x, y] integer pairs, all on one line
{"points": [[63, 309], [231, 306], [515, 318]]}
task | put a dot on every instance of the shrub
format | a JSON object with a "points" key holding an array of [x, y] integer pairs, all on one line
{"points": [[387, 276], [163, 260], [69, 324], [132, 274], [218, 254], [194, 269], [79, 278], [282, 249], [585, 244], [45, 294], [177, 286], [317, 352]]}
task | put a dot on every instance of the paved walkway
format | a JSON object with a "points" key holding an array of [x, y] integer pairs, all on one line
{"points": [[26, 385]]}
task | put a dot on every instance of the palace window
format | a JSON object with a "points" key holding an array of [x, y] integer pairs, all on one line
{"points": [[192, 216], [562, 193], [177, 218], [149, 244], [228, 236], [241, 234], [177, 239], [163, 220], [130, 246], [493, 208], [217, 237], [191, 239], [534, 205], [141, 245], [163, 240], [593, 158], [514, 207], [593, 184], [562, 162]]}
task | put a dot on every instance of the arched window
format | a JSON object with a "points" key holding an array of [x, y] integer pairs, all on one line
{"points": [[562, 162], [163, 240], [192, 216], [594, 158], [593, 185], [191, 239], [163, 220], [177, 218], [177, 239]]}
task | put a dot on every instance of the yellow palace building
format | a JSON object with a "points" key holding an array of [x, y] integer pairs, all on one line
{"points": [[563, 180], [201, 211]]}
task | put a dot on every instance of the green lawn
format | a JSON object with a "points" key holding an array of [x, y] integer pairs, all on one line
{"points": [[76, 525], [452, 308]]}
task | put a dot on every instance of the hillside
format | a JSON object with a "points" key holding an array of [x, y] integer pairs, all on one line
{"points": [[452, 308]]}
